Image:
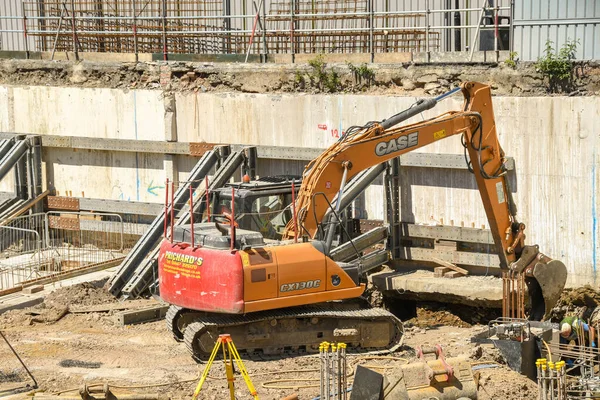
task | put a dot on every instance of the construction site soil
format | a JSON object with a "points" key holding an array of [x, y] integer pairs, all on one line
{"points": [[66, 349], [412, 79]]}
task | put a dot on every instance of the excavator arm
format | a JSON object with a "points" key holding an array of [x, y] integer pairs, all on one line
{"points": [[377, 142]]}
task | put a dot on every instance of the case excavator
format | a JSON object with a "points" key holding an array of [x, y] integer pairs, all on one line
{"points": [[275, 297]]}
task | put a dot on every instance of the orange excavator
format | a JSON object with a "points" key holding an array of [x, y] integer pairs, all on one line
{"points": [[286, 296]]}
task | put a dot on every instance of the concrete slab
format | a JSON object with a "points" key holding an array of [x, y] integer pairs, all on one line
{"points": [[21, 300], [424, 286]]}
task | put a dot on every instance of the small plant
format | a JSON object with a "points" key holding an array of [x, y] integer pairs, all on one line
{"points": [[299, 80], [363, 72], [320, 77], [558, 66], [512, 60]]}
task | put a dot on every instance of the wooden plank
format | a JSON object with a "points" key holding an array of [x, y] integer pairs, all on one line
{"points": [[147, 314], [33, 289], [438, 272], [451, 266], [453, 274]]}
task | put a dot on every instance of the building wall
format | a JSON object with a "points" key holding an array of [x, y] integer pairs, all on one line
{"points": [[554, 141], [537, 21]]}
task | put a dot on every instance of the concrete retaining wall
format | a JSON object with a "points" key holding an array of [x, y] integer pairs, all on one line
{"points": [[553, 140]]}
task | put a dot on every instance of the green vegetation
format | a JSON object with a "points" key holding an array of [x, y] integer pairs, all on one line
{"points": [[320, 77], [362, 73], [512, 60], [558, 67]]}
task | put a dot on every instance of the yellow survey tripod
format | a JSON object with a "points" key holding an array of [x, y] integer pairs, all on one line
{"points": [[230, 353]]}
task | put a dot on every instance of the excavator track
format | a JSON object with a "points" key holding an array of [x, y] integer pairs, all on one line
{"points": [[297, 330], [178, 318]]}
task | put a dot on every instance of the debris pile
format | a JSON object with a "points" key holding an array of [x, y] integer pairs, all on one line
{"points": [[429, 316], [580, 302]]}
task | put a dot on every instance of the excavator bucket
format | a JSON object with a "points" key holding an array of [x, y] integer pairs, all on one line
{"points": [[545, 282]]}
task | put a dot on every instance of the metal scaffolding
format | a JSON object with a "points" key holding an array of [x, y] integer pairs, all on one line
{"points": [[225, 27]]}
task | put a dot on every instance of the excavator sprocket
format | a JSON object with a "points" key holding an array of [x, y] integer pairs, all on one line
{"points": [[296, 330]]}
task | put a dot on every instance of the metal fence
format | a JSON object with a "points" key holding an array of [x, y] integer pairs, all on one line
{"points": [[52, 244], [265, 27]]}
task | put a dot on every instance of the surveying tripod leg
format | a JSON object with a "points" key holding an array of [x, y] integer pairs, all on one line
{"points": [[206, 370], [242, 368]]}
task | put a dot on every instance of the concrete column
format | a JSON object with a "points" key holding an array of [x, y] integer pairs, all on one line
{"points": [[170, 118], [170, 167]]}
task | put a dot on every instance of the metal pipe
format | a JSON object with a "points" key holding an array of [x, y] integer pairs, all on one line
{"points": [[207, 194], [11, 158], [483, 9], [35, 384], [332, 226], [192, 215], [172, 210], [166, 208], [457, 31], [294, 213], [232, 221]]}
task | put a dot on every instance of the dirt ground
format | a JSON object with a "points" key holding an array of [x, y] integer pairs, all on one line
{"points": [[63, 350]]}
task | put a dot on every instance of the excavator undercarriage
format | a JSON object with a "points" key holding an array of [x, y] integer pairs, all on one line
{"points": [[294, 330]]}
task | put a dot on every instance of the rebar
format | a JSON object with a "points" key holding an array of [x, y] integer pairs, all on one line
{"points": [[333, 371], [202, 27]]}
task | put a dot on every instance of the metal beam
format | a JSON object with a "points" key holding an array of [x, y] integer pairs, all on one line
{"points": [[452, 161], [346, 251], [454, 257], [453, 233], [103, 205]]}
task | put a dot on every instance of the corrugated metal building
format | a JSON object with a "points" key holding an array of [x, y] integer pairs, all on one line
{"points": [[536, 21]]}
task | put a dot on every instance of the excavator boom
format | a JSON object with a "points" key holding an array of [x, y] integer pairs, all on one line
{"points": [[377, 142]]}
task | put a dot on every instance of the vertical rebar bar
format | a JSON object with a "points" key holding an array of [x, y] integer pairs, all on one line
{"points": [[135, 36], [73, 25], [264, 29], [371, 27], [511, 28], [25, 40], [322, 371], [496, 51], [427, 25], [292, 49], [164, 29]]}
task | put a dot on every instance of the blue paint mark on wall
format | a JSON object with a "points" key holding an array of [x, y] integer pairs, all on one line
{"points": [[135, 129]]}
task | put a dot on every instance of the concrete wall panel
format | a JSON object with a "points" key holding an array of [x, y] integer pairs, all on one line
{"points": [[103, 174], [101, 113]]}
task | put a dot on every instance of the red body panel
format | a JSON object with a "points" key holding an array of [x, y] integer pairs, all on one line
{"points": [[201, 279]]}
